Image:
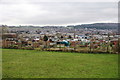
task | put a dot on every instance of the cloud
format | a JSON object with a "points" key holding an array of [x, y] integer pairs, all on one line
{"points": [[37, 1], [56, 13]]}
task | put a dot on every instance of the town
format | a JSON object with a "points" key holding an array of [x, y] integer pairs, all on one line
{"points": [[60, 38]]}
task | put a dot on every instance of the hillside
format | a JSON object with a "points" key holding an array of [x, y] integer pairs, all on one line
{"points": [[97, 26]]}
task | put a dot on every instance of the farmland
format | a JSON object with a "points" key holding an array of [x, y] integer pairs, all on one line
{"points": [[44, 64]]}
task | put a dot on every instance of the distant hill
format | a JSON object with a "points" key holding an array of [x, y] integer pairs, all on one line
{"points": [[98, 26], [95, 25]]}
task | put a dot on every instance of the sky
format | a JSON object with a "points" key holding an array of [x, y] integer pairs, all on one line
{"points": [[58, 12]]}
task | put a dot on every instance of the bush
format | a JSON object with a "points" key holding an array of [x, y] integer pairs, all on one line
{"points": [[39, 49], [28, 48], [13, 47]]}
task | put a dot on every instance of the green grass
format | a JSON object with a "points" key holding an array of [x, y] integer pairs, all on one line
{"points": [[43, 64]]}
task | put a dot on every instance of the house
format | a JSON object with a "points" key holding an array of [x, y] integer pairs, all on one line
{"points": [[114, 42], [9, 39], [9, 35]]}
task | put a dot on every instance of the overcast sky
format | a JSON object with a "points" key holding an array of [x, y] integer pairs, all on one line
{"points": [[57, 12]]}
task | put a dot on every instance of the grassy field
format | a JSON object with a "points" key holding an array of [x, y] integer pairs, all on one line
{"points": [[43, 64]]}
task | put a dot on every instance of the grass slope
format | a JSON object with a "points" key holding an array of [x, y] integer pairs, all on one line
{"points": [[42, 64]]}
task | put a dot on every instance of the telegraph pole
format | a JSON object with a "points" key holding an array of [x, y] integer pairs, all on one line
{"points": [[74, 38], [108, 42]]}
